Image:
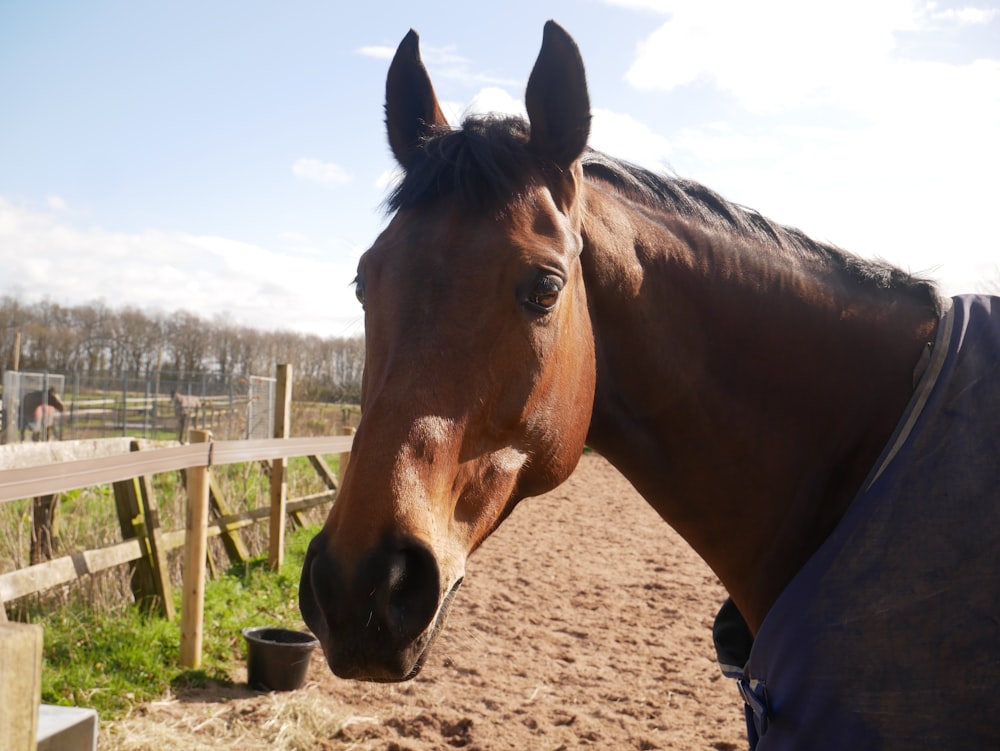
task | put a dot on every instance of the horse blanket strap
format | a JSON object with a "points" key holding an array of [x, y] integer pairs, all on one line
{"points": [[889, 636], [733, 642]]}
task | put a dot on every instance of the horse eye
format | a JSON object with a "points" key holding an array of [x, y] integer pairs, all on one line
{"points": [[359, 292], [545, 293]]}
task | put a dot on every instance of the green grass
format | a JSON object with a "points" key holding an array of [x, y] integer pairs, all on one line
{"points": [[113, 660]]}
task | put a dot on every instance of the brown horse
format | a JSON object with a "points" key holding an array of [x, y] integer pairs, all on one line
{"points": [[530, 296], [40, 411], [186, 410]]}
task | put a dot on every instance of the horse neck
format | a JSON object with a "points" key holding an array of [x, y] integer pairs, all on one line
{"points": [[744, 397]]}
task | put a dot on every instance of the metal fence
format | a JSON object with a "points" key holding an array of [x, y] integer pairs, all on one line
{"points": [[97, 405], [260, 407], [25, 406]]}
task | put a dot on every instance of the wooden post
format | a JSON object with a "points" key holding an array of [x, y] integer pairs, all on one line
{"points": [[232, 540], [130, 520], [21, 687], [342, 459], [279, 484], [152, 536], [195, 548], [329, 479], [45, 525], [323, 470], [139, 516]]}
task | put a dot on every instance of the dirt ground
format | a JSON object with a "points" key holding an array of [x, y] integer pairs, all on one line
{"points": [[584, 622]]}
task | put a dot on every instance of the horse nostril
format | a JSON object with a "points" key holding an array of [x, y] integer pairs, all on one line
{"points": [[407, 597], [374, 622], [321, 590]]}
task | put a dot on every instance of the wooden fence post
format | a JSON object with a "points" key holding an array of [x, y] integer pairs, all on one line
{"points": [[139, 516], [326, 475], [232, 540], [323, 470], [279, 483], [21, 687], [45, 528], [195, 549], [152, 537], [130, 521]]}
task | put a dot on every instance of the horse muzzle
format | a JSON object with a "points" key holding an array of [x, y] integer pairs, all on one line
{"points": [[379, 625]]}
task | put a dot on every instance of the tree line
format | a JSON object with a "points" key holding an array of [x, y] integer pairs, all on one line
{"points": [[94, 338]]}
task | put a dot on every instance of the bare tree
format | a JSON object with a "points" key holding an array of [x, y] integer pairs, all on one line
{"points": [[187, 341], [95, 339], [93, 321]]}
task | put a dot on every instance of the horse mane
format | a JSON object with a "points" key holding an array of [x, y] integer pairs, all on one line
{"points": [[694, 201], [487, 164]]}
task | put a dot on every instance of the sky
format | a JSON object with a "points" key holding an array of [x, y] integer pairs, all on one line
{"points": [[229, 158]]}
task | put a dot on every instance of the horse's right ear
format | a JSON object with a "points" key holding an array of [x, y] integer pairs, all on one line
{"points": [[411, 107]]}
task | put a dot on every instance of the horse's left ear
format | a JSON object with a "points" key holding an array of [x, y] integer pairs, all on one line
{"points": [[557, 101], [411, 107]]}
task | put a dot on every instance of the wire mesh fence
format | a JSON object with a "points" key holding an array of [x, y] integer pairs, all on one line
{"points": [[159, 405]]}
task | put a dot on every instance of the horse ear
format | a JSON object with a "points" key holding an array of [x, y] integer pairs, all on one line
{"points": [[411, 107], [557, 101]]}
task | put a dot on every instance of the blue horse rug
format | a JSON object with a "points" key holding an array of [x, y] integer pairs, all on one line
{"points": [[889, 636]]}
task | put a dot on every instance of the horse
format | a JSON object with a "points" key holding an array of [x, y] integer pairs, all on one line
{"points": [[820, 428], [186, 409], [40, 410]]}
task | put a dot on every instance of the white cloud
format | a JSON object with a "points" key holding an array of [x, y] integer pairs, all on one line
{"points": [[57, 203], [771, 55], [442, 62], [321, 172], [379, 52], [446, 56], [495, 99], [964, 16], [627, 138], [657, 6], [389, 179], [45, 257], [442, 55], [836, 131], [781, 55]]}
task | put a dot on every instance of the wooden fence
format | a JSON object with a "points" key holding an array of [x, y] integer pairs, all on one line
{"points": [[146, 544], [129, 473]]}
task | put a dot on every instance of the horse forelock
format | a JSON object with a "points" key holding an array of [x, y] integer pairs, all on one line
{"points": [[484, 165]]}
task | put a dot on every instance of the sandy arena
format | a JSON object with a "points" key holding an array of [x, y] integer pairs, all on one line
{"points": [[584, 622]]}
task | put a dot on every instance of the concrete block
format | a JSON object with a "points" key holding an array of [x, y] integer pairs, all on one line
{"points": [[66, 728]]}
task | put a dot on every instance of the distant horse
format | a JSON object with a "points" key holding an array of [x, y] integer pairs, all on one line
{"points": [[40, 410], [186, 410], [823, 430]]}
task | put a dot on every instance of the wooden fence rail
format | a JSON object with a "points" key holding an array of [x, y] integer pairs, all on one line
{"points": [[18, 484], [31, 482]]}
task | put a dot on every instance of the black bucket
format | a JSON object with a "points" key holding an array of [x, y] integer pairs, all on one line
{"points": [[277, 658]]}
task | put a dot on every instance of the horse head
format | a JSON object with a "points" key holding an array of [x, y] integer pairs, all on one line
{"points": [[55, 401], [479, 368]]}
